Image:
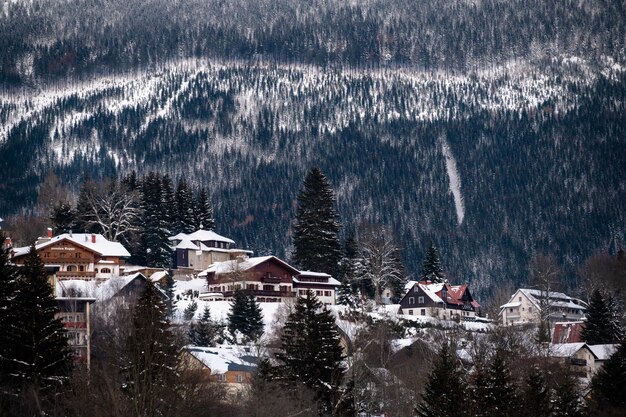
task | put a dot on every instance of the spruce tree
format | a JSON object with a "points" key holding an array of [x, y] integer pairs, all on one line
{"points": [[245, 316], [311, 352], [169, 291], [598, 328], [204, 211], [43, 359], [431, 267], [63, 217], [316, 232], [156, 231], [567, 399], [501, 390], [445, 388], [9, 323], [204, 332], [185, 217], [168, 202], [152, 356], [190, 311], [255, 319]]}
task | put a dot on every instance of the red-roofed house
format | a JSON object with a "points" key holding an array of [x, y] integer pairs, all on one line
{"points": [[567, 332], [440, 300]]}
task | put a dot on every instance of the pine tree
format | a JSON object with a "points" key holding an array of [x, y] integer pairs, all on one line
{"points": [[445, 388], [316, 232], [431, 267], [168, 202], [312, 354], [152, 356], [43, 359], [185, 217], [255, 319], [536, 394], [204, 332], [607, 385], [204, 211], [598, 328], [63, 217]]}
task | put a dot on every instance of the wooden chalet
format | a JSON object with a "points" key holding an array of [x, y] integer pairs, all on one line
{"points": [[267, 278], [85, 256], [440, 300]]}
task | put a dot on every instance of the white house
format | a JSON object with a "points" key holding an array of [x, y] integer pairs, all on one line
{"points": [[524, 307], [588, 359], [202, 248]]}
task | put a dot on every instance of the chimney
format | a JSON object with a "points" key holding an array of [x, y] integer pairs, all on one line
{"points": [[93, 238], [49, 232]]}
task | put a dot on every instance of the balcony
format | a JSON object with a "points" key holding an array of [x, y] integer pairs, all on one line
{"points": [[262, 293], [270, 280], [86, 275]]}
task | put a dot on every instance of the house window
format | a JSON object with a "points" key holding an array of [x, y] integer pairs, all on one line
{"points": [[77, 254], [423, 312], [221, 377], [510, 310], [239, 378], [420, 300], [105, 270], [62, 255], [318, 293], [81, 268], [71, 268], [46, 254], [327, 294], [519, 299], [410, 312], [411, 301], [302, 292]]}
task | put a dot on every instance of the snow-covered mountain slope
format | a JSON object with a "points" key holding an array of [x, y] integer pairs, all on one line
{"points": [[492, 166]]}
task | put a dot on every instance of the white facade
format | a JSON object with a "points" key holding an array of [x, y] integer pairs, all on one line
{"points": [[524, 307]]}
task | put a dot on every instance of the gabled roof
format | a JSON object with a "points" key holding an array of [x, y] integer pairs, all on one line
{"points": [[565, 350], [203, 236], [244, 265], [557, 299], [603, 352], [102, 246], [225, 358], [331, 282], [455, 293]]}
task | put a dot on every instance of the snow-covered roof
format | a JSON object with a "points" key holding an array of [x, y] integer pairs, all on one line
{"points": [[203, 236], [557, 299], [101, 291], [314, 274], [603, 352], [225, 358], [511, 305], [565, 350], [158, 275], [101, 245], [187, 244], [238, 265]]}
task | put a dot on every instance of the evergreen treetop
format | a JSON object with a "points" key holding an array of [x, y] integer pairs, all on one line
{"points": [[598, 328], [444, 394], [431, 267], [311, 352], [185, 217], [316, 232], [245, 316], [204, 211], [43, 358]]}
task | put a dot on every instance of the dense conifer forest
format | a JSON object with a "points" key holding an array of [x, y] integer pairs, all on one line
{"points": [[435, 119]]}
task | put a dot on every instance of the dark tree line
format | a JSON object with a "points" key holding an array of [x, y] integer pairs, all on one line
{"points": [[430, 35]]}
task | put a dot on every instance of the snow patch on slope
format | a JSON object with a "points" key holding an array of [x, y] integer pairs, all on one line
{"points": [[455, 181]]}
